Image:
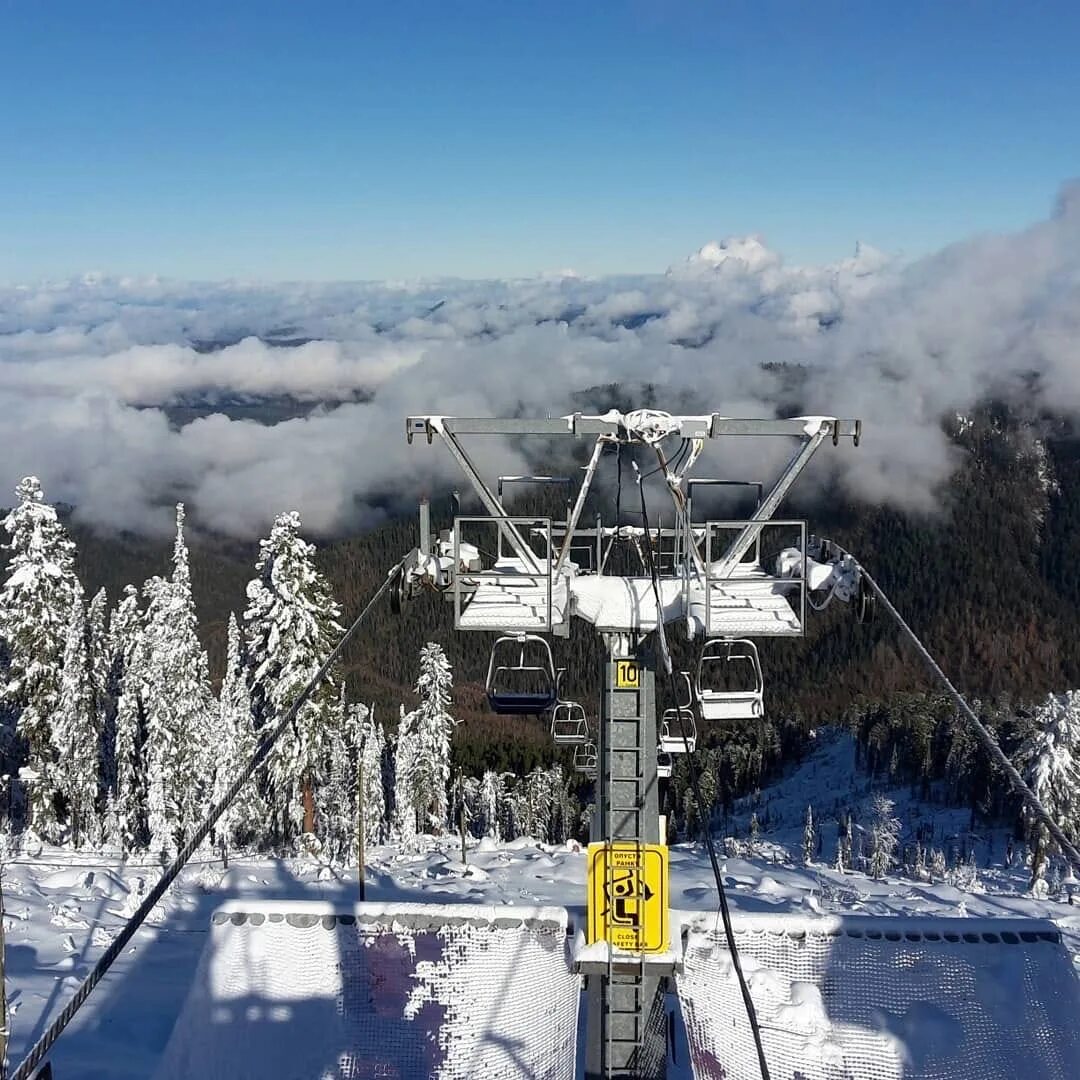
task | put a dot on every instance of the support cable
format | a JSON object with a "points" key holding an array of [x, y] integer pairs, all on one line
{"points": [[45, 1043], [695, 782], [618, 486], [985, 736]]}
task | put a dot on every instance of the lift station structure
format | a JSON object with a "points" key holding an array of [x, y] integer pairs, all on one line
{"points": [[719, 583]]}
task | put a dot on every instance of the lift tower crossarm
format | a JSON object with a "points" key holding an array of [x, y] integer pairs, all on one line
{"points": [[704, 426]]}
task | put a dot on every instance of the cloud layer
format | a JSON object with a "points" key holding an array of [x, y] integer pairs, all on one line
{"points": [[88, 368]]}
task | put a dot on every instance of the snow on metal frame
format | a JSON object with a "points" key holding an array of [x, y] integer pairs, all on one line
{"points": [[379, 990], [882, 998], [508, 597]]}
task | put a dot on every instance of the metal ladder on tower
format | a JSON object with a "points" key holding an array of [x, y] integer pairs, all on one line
{"points": [[623, 1033], [628, 739]]}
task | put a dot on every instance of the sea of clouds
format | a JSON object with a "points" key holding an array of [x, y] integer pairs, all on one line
{"points": [[88, 368]]}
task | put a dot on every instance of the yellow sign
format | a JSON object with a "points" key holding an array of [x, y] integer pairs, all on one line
{"points": [[627, 675], [628, 896]]}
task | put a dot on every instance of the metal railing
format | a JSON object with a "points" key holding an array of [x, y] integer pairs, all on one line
{"points": [[467, 584], [715, 552]]}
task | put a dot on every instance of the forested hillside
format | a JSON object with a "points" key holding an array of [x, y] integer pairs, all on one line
{"points": [[990, 580]]}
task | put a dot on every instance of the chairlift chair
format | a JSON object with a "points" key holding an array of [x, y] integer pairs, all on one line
{"points": [[674, 724], [726, 657], [569, 725], [585, 758], [521, 678], [663, 764]]}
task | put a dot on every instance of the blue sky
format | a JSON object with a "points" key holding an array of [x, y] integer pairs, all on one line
{"points": [[350, 140]]}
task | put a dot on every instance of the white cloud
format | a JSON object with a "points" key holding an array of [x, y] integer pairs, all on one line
{"points": [[85, 367]]}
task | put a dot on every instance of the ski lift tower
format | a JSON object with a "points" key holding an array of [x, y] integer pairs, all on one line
{"points": [[720, 583]]}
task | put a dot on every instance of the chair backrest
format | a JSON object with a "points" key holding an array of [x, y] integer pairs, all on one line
{"points": [[674, 724], [882, 998], [569, 724], [743, 701], [295, 989], [521, 678]]}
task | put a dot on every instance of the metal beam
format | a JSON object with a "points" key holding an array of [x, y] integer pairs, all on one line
{"points": [[579, 504], [796, 425], [491, 503], [503, 480], [741, 544], [704, 426]]}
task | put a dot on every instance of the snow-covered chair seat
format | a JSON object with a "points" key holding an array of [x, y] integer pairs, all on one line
{"points": [[882, 998], [295, 989]]}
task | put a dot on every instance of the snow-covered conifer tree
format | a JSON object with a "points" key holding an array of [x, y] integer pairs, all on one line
{"points": [[75, 734], [842, 862], [561, 809], [515, 821], [464, 801], [809, 837], [161, 750], [291, 628], [127, 661], [97, 651], [196, 712], [691, 816], [540, 805], [938, 868], [531, 809], [492, 797], [233, 741], [404, 807], [336, 795], [1050, 762], [177, 703], [372, 742], [427, 732], [921, 873], [35, 611], [885, 835]]}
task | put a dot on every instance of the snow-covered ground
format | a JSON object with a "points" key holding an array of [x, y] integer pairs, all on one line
{"points": [[62, 909]]}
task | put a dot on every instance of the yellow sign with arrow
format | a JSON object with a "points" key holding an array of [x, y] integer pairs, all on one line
{"points": [[628, 896]]}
